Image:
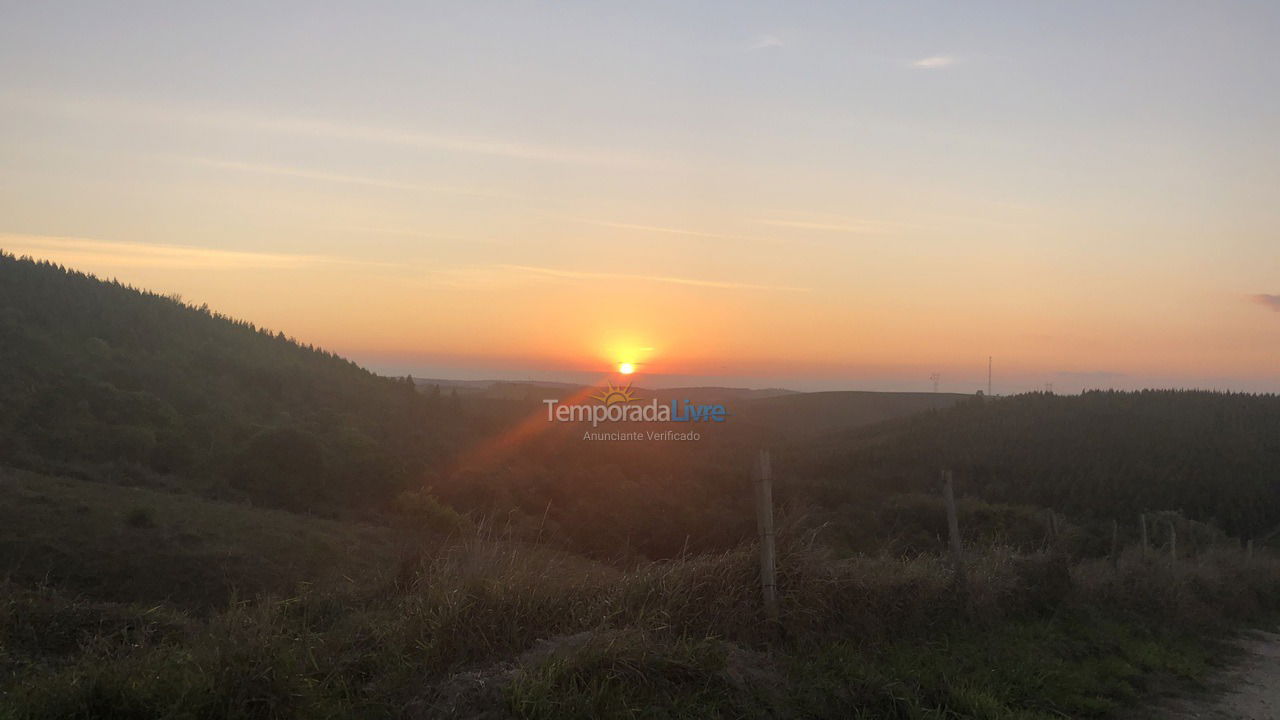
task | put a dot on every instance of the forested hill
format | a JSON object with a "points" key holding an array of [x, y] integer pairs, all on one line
{"points": [[1215, 456], [106, 382]]}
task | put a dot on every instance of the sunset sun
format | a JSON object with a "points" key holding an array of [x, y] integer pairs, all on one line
{"points": [[626, 368]]}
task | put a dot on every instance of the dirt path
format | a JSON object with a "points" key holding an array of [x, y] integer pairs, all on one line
{"points": [[1250, 689]]}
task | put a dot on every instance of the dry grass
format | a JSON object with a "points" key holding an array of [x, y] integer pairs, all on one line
{"points": [[472, 614]]}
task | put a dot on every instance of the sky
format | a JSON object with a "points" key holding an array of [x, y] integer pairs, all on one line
{"points": [[805, 195]]}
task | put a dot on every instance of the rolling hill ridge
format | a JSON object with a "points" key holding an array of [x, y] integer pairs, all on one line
{"points": [[102, 381]]}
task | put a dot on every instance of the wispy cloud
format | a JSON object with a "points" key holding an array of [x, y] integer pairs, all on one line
{"points": [[92, 253], [322, 176], [432, 141], [95, 108], [395, 232], [658, 229], [1267, 301], [767, 41], [672, 280], [859, 227], [934, 62]]}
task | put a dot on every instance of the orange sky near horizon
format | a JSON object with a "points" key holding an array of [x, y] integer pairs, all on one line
{"points": [[512, 318]]}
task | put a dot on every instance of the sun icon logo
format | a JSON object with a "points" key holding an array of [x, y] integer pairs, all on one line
{"points": [[615, 394]]}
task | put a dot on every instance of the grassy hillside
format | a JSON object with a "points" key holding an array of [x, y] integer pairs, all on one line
{"points": [[486, 630], [133, 544], [1213, 456], [805, 415], [653, 499], [106, 382], [1207, 457]]}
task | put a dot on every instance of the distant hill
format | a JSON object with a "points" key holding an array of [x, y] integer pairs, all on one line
{"points": [[771, 415], [491, 388], [539, 389], [105, 382], [816, 414], [1214, 456]]}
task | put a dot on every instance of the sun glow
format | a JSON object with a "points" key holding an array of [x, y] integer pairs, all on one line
{"points": [[626, 368]]}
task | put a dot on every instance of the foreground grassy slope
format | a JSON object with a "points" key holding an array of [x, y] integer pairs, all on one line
{"points": [[493, 630], [132, 544]]}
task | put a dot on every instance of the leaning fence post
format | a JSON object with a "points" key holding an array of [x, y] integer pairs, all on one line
{"points": [[953, 529], [764, 523]]}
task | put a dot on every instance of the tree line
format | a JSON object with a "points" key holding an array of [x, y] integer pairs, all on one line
{"points": [[104, 381]]}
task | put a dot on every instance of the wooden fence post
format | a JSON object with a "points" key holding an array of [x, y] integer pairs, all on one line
{"points": [[953, 529], [1142, 517], [1115, 542], [764, 523]]}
